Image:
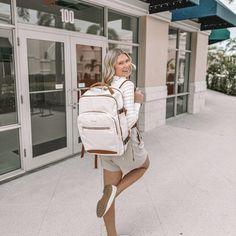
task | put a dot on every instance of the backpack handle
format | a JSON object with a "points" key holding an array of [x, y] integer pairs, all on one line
{"points": [[103, 84]]}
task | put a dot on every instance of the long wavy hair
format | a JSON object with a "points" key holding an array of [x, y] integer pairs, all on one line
{"points": [[110, 61]]}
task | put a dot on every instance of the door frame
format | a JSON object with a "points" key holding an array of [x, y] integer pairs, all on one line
{"points": [[29, 161], [80, 41], [70, 39]]}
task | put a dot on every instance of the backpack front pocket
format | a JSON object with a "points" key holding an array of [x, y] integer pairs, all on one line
{"points": [[98, 132]]}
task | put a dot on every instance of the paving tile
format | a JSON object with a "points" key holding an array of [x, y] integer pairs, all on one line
{"points": [[76, 220], [189, 189], [18, 220]]}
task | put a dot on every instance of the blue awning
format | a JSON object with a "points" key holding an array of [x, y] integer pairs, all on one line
{"points": [[219, 35], [211, 14], [168, 5]]}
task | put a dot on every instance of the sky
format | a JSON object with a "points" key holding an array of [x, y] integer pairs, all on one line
{"points": [[232, 5]]}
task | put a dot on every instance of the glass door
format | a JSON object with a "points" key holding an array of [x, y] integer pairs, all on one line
{"points": [[87, 57], [10, 155], [46, 86]]}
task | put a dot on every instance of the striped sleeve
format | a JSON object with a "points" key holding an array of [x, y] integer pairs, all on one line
{"points": [[131, 107]]}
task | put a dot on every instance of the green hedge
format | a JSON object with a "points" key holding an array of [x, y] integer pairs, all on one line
{"points": [[222, 84], [221, 76]]}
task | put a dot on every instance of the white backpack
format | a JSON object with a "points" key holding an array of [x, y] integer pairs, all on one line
{"points": [[102, 121]]}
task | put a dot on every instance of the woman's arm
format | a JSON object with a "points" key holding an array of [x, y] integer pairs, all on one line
{"points": [[129, 103]]}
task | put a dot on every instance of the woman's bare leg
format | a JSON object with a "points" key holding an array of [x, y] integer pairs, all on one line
{"points": [[132, 177], [113, 178]]}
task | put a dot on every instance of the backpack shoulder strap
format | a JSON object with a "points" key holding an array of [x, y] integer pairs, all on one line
{"points": [[123, 83]]}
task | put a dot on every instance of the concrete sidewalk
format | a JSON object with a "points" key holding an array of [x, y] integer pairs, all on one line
{"points": [[190, 188]]}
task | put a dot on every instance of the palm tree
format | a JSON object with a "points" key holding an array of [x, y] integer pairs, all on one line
{"points": [[231, 45], [23, 13], [45, 19], [97, 30]]}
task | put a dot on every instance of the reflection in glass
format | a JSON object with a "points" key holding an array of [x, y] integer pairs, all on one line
{"points": [[181, 104], [173, 38], [122, 27], [70, 15], [177, 79], [47, 95], [184, 40], [183, 72], [5, 11], [170, 107], [9, 151], [7, 79], [170, 74], [45, 64], [89, 65], [134, 56], [89, 68], [133, 52]]}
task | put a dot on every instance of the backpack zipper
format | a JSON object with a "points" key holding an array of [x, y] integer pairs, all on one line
{"points": [[95, 128], [107, 95], [109, 116]]}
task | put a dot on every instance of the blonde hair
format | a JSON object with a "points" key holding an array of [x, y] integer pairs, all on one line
{"points": [[110, 61]]}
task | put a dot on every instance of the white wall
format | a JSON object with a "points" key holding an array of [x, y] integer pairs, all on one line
{"points": [[152, 71], [198, 67]]}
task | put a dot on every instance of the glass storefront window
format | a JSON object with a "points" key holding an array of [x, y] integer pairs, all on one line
{"points": [[70, 15], [9, 151], [184, 40], [89, 65], [122, 27], [181, 104], [5, 11], [183, 72], [45, 64], [177, 75], [8, 111], [170, 76], [47, 95], [173, 38], [134, 56], [133, 52], [170, 105]]}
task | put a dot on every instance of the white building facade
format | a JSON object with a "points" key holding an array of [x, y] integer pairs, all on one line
{"points": [[51, 51]]}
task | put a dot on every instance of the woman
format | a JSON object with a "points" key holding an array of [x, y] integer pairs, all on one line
{"points": [[120, 172]]}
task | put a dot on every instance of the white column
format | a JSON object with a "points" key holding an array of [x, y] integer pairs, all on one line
{"points": [[198, 68], [152, 70]]}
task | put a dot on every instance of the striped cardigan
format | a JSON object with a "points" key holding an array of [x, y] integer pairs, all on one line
{"points": [[128, 95]]}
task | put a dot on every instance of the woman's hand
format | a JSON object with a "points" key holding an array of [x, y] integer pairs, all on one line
{"points": [[138, 96]]}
